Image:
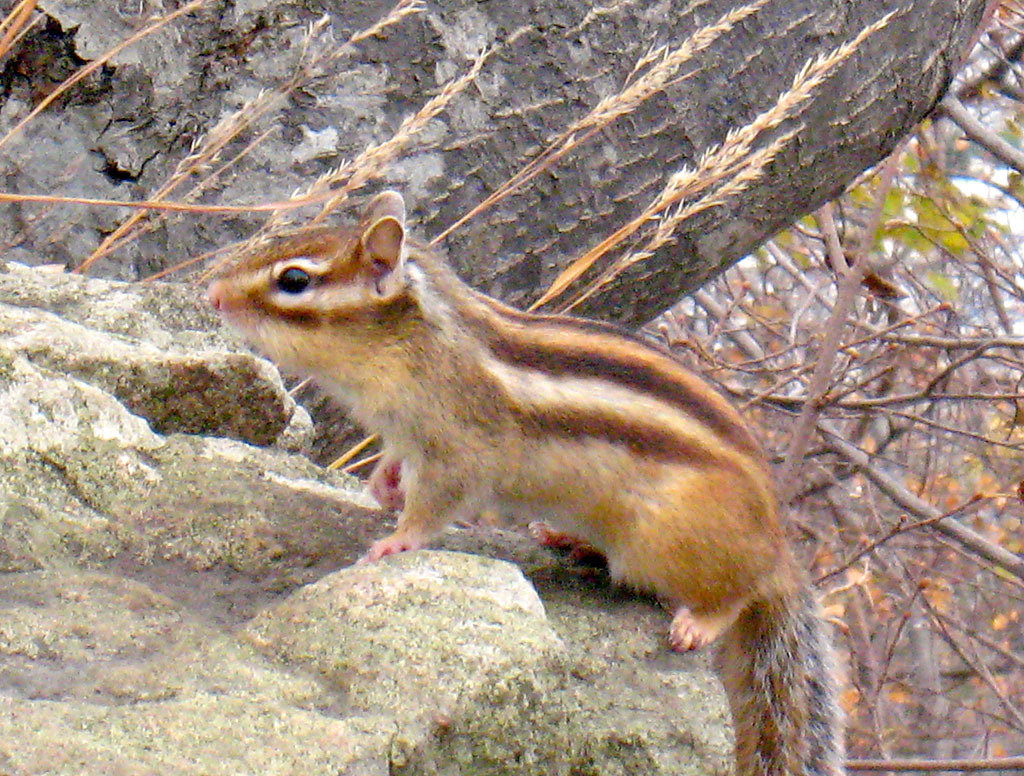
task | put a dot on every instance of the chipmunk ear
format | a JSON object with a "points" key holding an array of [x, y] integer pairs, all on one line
{"points": [[383, 240], [387, 203]]}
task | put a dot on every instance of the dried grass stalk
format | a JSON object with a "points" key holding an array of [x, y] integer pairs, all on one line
{"points": [[351, 453], [15, 24], [206, 152], [716, 166], [334, 187], [664, 65], [203, 154], [97, 63], [374, 159], [667, 223]]}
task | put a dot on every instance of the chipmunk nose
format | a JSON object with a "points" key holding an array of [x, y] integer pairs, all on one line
{"points": [[215, 294]]}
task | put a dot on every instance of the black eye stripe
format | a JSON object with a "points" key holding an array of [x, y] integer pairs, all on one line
{"points": [[294, 280]]}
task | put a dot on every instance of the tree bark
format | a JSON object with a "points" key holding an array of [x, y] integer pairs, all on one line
{"points": [[121, 132]]}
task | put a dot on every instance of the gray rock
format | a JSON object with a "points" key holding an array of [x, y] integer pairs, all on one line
{"points": [[176, 603], [131, 340], [102, 675]]}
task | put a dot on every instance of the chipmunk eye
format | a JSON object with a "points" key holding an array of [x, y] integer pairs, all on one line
{"points": [[294, 280]]}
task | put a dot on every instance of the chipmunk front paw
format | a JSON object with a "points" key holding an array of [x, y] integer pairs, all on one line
{"points": [[390, 545]]}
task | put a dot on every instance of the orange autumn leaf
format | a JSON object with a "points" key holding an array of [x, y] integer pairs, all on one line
{"points": [[899, 695], [849, 698]]}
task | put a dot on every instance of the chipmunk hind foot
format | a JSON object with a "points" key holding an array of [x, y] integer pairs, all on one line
{"points": [[692, 630]]}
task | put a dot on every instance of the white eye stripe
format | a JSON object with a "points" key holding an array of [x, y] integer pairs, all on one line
{"points": [[306, 264]]}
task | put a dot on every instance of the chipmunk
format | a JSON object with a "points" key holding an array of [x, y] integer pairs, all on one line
{"points": [[609, 438]]}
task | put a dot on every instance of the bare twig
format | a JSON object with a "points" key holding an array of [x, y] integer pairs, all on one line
{"points": [[976, 665], [848, 291], [851, 275], [979, 133], [967, 538], [750, 346], [900, 528], [955, 343], [965, 766], [972, 633]]}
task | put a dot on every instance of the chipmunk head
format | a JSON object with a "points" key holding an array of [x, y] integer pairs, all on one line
{"points": [[289, 296]]}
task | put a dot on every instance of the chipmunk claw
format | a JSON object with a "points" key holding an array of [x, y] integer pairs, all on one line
{"points": [[684, 634]]}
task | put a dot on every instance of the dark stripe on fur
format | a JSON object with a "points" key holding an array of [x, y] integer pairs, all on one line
{"points": [[397, 308], [643, 439], [694, 400]]}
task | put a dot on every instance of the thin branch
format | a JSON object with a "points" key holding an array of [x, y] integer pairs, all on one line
{"points": [[851, 276], [967, 538], [744, 341], [955, 343], [1009, 57], [882, 402], [976, 665], [982, 135], [900, 528], [946, 429], [996, 764], [972, 633], [848, 292]]}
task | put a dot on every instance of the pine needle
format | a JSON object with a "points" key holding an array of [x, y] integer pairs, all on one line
{"points": [[354, 467], [14, 24]]}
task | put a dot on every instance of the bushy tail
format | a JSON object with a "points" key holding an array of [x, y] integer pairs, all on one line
{"points": [[778, 669]]}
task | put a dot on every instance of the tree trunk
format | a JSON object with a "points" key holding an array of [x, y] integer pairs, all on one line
{"points": [[122, 131]]}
